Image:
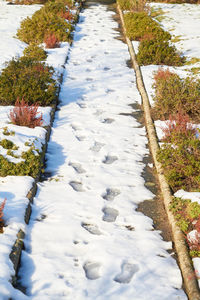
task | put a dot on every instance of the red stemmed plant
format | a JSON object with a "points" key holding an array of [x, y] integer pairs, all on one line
{"points": [[25, 115]]}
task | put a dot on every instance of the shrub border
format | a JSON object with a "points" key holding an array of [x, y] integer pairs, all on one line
{"points": [[185, 262]]}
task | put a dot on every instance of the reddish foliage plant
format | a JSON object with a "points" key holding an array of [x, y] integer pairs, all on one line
{"points": [[25, 115], [51, 41], [67, 15], [163, 74], [178, 125], [1, 212]]}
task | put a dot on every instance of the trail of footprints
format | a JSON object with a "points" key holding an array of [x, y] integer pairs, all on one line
{"points": [[92, 269]]}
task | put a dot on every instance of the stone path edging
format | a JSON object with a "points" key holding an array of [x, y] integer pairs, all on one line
{"points": [[185, 262]]}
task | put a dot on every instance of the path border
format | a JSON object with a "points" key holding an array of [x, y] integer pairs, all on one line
{"points": [[184, 260]]}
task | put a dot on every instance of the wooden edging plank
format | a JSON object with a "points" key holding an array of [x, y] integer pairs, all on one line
{"points": [[185, 262]]}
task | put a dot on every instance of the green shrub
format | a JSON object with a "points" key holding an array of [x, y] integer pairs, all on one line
{"points": [[173, 92], [193, 210], [124, 4], [140, 25], [187, 214], [35, 52], [158, 52], [29, 167], [28, 2], [26, 78], [180, 158], [47, 19], [133, 5]]}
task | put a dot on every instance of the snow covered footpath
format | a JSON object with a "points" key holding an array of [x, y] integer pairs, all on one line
{"points": [[85, 239]]}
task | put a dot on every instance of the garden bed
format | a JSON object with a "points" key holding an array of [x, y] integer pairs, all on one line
{"points": [[18, 143]]}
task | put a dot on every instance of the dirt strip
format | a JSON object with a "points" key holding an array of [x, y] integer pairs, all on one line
{"points": [[184, 260]]}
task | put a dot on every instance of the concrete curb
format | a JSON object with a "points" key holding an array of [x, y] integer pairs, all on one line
{"points": [[185, 262], [15, 255]]}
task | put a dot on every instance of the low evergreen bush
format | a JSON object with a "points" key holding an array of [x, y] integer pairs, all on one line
{"points": [[133, 5], [173, 93], [43, 21], [158, 52], [180, 154], [35, 52], [139, 26], [29, 79], [29, 167]]}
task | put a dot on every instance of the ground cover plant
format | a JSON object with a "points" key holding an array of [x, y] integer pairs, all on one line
{"points": [[44, 21], [154, 47], [187, 214], [29, 166], [158, 52], [25, 77], [25, 115], [180, 153], [35, 52], [173, 92], [51, 41], [140, 26], [133, 5]]}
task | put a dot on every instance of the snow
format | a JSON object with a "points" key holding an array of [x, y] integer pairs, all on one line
{"points": [[10, 19], [14, 189], [85, 232]]}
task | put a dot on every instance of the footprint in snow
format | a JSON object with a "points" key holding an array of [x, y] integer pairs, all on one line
{"points": [[77, 186], [111, 193], [97, 147], [109, 159], [110, 214], [77, 167], [75, 127], [92, 270], [127, 272], [80, 138], [108, 121], [81, 104], [91, 228], [108, 91]]}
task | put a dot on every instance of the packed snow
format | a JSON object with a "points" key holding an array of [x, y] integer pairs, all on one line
{"points": [[86, 239]]}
